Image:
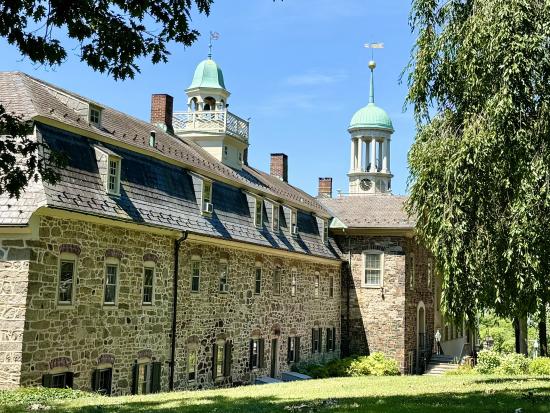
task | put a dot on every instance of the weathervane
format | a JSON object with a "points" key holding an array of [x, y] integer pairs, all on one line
{"points": [[213, 36], [372, 66]]}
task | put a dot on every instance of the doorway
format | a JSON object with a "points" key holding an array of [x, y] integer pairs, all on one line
{"points": [[274, 357]]}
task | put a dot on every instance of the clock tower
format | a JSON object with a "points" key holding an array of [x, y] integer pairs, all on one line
{"points": [[370, 129]]}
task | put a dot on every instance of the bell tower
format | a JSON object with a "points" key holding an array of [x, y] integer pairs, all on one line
{"points": [[370, 130]]}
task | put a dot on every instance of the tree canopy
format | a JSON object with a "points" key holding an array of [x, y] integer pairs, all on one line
{"points": [[479, 83], [110, 36]]}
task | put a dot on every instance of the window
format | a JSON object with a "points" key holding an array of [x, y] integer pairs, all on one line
{"points": [[146, 377], [58, 381], [275, 212], [207, 197], [277, 281], [325, 231], [256, 353], [258, 281], [430, 273], [225, 151], [331, 286], [101, 381], [331, 339], [192, 365], [148, 280], [224, 285], [113, 176], [316, 338], [66, 281], [258, 213], [195, 275], [221, 359], [317, 284], [95, 116], [293, 222], [111, 280], [412, 274], [293, 354], [143, 385], [220, 356], [293, 277], [373, 268]]}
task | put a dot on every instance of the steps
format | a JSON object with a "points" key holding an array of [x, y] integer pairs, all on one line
{"points": [[439, 365]]}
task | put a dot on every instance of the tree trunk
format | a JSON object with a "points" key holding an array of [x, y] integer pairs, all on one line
{"points": [[543, 342], [517, 334], [523, 344]]}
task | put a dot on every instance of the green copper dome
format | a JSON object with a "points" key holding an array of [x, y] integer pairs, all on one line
{"points": [[371, 117], [208, 74]]}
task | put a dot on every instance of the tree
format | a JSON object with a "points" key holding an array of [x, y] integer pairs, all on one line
{"points": [[479, 82], [111, 36]]}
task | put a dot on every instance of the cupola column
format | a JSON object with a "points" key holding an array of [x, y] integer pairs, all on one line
{"points": [[360, 153], [367, 155], [353, 155], [388, 146], [373, 154], [385, 156]]}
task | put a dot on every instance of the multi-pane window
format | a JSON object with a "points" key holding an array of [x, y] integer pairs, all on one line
{"points": [[331, 286], [101, 381], [224, 284], [258, 280], [331, 339], [293, 281], [144, 375], [373, 269], [111, 279], [316, 339], [148, 280], [256, 353], [192, 365], [316, 284], [275, 211], [277, 281], [66, 281], [58, 381], [113, 176], [412, 274], [221, 359], [293, 354], [293, 222], [95, 116], [206, 196], [195, 275], [258, 212]]}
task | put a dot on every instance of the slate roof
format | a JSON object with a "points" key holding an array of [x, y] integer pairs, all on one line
{"points": [[370, 211], [153, 192]]}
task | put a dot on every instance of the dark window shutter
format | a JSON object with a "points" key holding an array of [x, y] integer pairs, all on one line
{"points": [[334, 338], [228, 360], [313, 340], [297, 349], [69, 379], [214, 360], [95, 380], [261, 353], [320, 340], [47, 380], [328, 339], [288, 356], [251, 355], [156, 368], [135, 381]]}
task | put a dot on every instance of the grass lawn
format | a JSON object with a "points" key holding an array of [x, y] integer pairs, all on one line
{"points": [[422, 394]]}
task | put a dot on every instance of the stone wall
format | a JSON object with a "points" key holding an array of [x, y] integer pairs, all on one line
{"points": [[88, 333]]}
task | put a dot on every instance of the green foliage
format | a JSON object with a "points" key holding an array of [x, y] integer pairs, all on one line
{"points": [[333, 368], [374, 365], [461, 370], [37, 396], [488, 362], [513, 364], [540, 366], [480, 163]]}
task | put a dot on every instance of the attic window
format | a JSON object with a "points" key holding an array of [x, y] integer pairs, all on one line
{"points": [[113, 176], [293, 222], [207, 206], [95, 116], [275, 220], [153, 139], [325, 231], [258, 212]]}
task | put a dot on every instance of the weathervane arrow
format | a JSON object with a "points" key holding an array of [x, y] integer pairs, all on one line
{"points": [[213, 36]]}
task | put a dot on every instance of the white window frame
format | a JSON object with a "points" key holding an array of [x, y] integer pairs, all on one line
{"points": [[317, 284], [292, 340], [257, 268], [99, 115], [195, 261], [293, 282], [363, 277], [148, 265], [206, 196], [144, 380], [293, 222], [224, 290], [67, 257], [258, 214], [220, 361], [108, 263], [275, 217], [277, 283], [117, 161]]}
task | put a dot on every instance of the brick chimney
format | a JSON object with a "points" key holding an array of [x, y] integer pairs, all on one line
{"points": [[279, 166], [325, 188], [162, 109]]}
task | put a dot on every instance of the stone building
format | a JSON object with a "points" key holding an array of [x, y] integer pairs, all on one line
{"points": [[162, 260]]}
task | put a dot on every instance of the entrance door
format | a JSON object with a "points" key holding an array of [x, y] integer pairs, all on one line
{"points": [[274, 357]]}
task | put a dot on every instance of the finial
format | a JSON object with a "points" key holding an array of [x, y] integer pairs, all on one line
{"points": [[213, 36], [372, 66]]}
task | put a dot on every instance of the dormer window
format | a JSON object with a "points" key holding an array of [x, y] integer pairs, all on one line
{"points": [[95, 116], [325, 231], [113, 176], [275, 220], [258, 212], [293, 222], [207, 206], [153, 139]]}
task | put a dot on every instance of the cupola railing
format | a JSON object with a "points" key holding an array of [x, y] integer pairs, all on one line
{"points": [[211, 121]]}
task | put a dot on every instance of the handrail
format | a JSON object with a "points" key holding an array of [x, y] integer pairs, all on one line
{"points": [[213, 121]]}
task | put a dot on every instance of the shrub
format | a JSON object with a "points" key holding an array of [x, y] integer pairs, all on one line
{"points": [[376, 365], [462, 369], [540, 366], [28, 396], [488, 362], [513, 364]]}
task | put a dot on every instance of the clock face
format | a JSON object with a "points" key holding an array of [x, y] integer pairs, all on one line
{"points": [[365, 184]]}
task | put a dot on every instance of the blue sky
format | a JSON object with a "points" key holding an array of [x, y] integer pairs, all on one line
{"points": [[297, 68]]}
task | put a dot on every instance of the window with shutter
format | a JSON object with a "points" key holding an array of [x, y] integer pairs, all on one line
{"points": [[101, 381], [261, 354], [156, 370], [297, 349], [320, 335], [228, 358]]}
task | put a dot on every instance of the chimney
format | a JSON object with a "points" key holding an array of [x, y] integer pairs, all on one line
{"points": [[279, 166], [325, 188], [162, 109]]}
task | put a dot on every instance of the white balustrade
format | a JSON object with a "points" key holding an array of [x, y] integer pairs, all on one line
{"points": [[213, 121]]}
